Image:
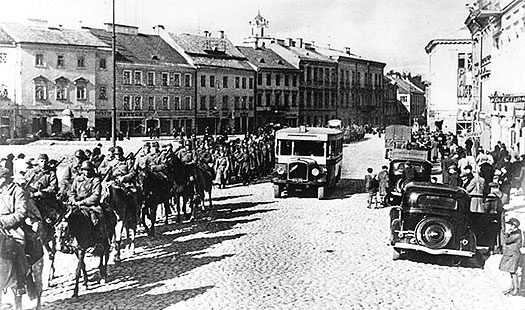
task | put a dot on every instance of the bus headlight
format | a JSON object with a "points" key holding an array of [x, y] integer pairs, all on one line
{"points": [[315, 172], [280, 170]]}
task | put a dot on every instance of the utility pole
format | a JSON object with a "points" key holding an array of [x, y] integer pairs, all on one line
{"points": [[114, 112]]}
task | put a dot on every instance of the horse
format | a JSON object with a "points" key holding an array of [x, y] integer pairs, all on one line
{"points": [[76, 234], [203, 184], [156, 189], [124, 201], [182, 188]]}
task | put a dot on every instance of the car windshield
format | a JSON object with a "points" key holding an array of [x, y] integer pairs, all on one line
{"points": [[399, 166], [439, 202]]}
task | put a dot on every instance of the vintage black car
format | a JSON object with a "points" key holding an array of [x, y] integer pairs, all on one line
{"points": [[438, 219], [396, 182]]}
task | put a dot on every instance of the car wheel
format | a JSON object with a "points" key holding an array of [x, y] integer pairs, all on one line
{"points": [[399, 185], [433, 232]]}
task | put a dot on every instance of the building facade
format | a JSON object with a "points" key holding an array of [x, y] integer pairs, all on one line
{"points": [[412, 97], [51, 75], [449, 96], [276, 87], [155, 85], [225, 82], [393, 111], [498, 30]]}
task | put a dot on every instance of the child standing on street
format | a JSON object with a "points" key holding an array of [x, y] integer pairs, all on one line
{"points": [[371, 186], [511, 254]]}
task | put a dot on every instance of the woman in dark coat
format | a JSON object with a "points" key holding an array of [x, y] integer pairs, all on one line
{"points": [[511, 254]]}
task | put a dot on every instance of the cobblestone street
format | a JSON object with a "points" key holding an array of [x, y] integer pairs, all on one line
{"points": [[258, 252]]}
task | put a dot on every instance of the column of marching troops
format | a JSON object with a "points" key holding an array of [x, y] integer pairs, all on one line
{"points": [[32, 195]]}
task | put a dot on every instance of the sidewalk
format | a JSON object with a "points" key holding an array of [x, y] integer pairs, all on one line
{"points": [[516, 208]]}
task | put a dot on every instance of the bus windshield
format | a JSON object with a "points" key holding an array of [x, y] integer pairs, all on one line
{"points": [[308, 148]]}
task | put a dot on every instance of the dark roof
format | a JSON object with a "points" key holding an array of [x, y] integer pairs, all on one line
{"points": [[309, 54], [405, 86], [141, 48], [49, 35], [211, 51], [265, 58]]}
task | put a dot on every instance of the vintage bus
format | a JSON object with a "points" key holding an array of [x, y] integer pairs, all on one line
{"points": [[307, 158]]}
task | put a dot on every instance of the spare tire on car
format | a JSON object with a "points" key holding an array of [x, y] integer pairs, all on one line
{"points": [[433, 232]]}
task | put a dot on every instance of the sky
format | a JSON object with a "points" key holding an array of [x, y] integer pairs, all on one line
{"points": [[391, 31]]}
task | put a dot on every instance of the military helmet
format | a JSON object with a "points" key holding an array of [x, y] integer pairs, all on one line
{"points": [[117, 150], [155, 144], [87, 165], [80, 154], [43, 156]]}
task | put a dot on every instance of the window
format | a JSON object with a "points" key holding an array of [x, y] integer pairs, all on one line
{"points": [[151, 103], [81, 62], [277, 99], [259, 100], [403, 98], [127, 77], [102, 63], [203, 103], [61, 62], [151, 78], [187, 103], [81, 92], [250, 83], [137, 103], [165, 103], [268, 99], [259, 79], [243, 83], [250, 102], [176, 79], [225, 81], [225, 100], [286, 100], [294, 81], [286, 80], [102, 93], [278, 80], [212, 80], [61, 92], [237, 82], [137, 77], [236, 101], [268, 79], [126, 103], [187, 80], [294, 100], [203, 81], [39, 60], [176, 103], [243, 103], [3, 58], [165, 79], [212, 103]]}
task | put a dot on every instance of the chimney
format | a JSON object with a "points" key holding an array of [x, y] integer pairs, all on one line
{"points": [[347, 50], [221, 34], [300, 42], [290, 41], [158, 29], [206, 32]]}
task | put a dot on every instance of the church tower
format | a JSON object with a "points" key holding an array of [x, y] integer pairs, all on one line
{"points": [[258, 35]]}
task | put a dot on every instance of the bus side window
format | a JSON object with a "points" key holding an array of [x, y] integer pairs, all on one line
{"points": [[286, 147]]}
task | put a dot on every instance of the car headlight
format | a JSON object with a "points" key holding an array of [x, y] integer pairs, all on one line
{"points": [[280, 170], [315, 172]]}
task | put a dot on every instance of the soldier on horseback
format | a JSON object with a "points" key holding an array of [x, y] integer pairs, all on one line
{"points": [[86, 192], [156, 160], [187, 156], [141, 161], [42, 187], [71, 172]]}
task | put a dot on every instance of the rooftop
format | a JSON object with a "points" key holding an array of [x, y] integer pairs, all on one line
{"points": [[265, 58]]}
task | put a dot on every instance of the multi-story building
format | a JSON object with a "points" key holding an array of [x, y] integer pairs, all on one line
{"points": [[393, 111], [449, 96], [412, 97], [276, 86], [155, 85], [359, 87], [317, 83], [225, 82], [54, 76], [497, 29]]}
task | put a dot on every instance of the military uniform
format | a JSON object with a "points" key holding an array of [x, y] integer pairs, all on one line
{"points": [[42, 187]]}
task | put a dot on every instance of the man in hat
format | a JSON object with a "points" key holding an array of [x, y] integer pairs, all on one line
{"points": [[141, 161], [512, 243], [86, 192], [119, 169], [42, 186], [454, 178], [71, 172]]}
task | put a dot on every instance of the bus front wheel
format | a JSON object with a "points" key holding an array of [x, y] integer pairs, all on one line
{"points": [[277, 191]]}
